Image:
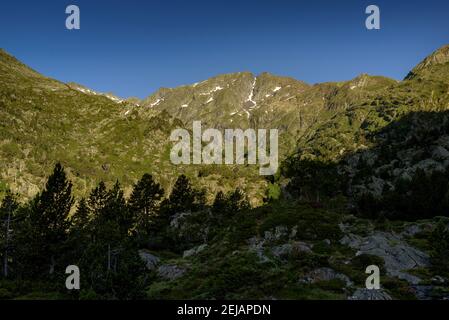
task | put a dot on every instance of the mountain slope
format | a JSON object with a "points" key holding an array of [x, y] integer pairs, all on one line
{"points": [[95, 136], [388, 135], [101, 137]]}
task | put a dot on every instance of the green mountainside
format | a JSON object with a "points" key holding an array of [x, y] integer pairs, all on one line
{"points": [[99, 136]]}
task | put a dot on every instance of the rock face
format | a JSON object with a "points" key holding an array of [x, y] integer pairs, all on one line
{"points": [[325, 274], [165, 271], [194, 251], [367, 294], [256, 245], [291, 249], [277, 235], [397, 254], [151, 260], [176, 220], [170, 272]]}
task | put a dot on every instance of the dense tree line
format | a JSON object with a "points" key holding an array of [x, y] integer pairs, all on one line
{"points": [[101, 234]]}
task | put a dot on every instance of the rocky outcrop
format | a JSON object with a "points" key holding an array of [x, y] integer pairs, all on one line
{"points": [[397, 254], [194, 251], [271, 239], [291, 249], [170, 272], [151, 261]]}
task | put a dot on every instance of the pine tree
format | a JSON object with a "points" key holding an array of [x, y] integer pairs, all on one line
{"points": [[80, 219], [219, 204], [144, 200], [49, 214], [200, 201], [182, 197], [111, 223], [237, 201], [97, 199], [80, 231], [117, 211]]}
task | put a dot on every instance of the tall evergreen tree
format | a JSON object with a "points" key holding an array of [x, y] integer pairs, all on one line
{"points": [[80, 230], [97, 199], [143, 202], [219, 204], [116, 209], [81, 217], [182, 196], [237, 201], [49, 215]]}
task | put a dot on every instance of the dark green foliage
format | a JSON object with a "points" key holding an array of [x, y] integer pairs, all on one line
{"points": [[97, 238], [439, 241], [81, 217], [182, 196], [312, 223], [8, 206], [226, 206], [143, 202], [219, 204], [51, 208], [98, 198], [237, 201], [231, 210], [116, 210], [312, 179], [8, 209], [424, 196], [45, 229]]}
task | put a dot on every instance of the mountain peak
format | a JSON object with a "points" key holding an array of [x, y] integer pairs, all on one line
{"points": [[438, 57]]}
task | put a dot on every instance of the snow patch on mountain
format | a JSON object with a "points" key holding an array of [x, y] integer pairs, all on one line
{"points": [[86, 91], [113, 98], [251, 94], [156, 103], [217, 88], [94, 93]]}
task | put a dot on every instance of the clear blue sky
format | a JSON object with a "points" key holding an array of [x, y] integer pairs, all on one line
{"points": [[133, 47]]}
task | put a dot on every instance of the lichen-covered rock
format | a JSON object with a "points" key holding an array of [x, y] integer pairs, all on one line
{"points": [[256, 245], [289, 249], [280, 232], [194, 251], [178, 218], [170, 272], [397, 254], [151, 261]]}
